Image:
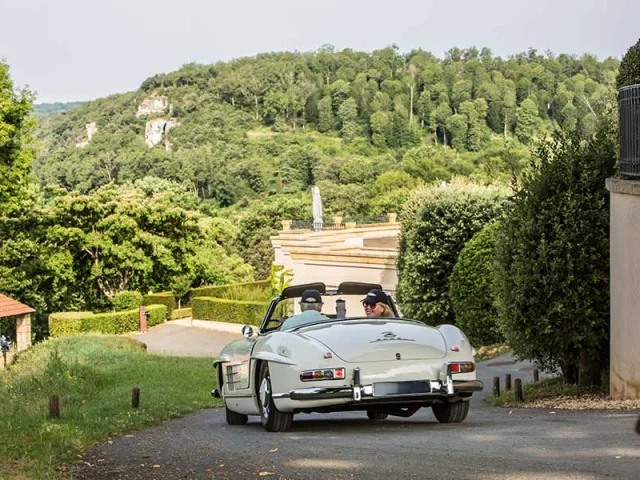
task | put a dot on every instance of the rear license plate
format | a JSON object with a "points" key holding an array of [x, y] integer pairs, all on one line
{"points": [[384, 389]]}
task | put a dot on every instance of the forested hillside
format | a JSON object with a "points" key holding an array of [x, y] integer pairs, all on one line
{"points": [[280, 122], [249, 137], [57, 107]]}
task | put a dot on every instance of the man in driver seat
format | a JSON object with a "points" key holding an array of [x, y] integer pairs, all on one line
{"points": [[310, 306]]}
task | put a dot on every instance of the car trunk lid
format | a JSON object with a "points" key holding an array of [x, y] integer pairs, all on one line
{"points": [[379, 340]]}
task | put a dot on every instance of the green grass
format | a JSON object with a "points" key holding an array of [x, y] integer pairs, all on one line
{"points": [[93, 376], [553, 387]]}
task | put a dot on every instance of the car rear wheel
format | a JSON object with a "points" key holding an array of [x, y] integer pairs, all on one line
{"points": [[273, 420], [451, 412], [373, 415], [234, 418]]}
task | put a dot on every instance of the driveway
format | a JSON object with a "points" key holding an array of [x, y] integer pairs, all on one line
{"points": [[179, 338], [491, 443]]}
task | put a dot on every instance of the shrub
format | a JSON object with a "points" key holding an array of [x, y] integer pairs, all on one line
{"points": [[181, 313], [436, 223], [471, 288], [553, 256], [162, 298], [249, 291], [70, 323], [127, 300], [629, 73], [231, 311]]}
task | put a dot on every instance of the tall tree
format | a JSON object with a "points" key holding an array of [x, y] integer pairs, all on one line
{"points": [[16, 135]]}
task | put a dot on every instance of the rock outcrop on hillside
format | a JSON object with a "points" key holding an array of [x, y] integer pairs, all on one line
{"points": [[92, 129], [154, 103], [156, 129]]}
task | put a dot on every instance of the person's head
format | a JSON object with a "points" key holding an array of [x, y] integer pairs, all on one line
{"points": [[376, 304], [311, 300]]}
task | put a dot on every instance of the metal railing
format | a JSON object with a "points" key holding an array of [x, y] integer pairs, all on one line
{"points": [[629, 108]]}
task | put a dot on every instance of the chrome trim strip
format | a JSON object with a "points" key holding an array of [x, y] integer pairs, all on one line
{"points": [[359, 392], [238, 396]]}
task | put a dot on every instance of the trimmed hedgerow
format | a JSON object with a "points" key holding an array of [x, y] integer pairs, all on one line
{"points": [[162, 298], [180, 313], [231, 311], [436, 224], [472, 288], [70, 323], [127, 300], [259, 290]]}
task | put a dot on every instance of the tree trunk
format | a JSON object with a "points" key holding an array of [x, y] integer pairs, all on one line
{"points": [[569, 373], [589, 373], [505, 125], [255, 98], [444, 135]]}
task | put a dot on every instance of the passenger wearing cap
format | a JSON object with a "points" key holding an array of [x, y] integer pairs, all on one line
{"points": [[310, 306], [376, 304]]}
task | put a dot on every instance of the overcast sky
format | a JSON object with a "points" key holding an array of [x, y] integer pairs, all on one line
{"points": [[83, 49]]}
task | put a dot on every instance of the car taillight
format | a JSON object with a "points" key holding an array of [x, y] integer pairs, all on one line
{"points": [[322, 374], [463, 367]]}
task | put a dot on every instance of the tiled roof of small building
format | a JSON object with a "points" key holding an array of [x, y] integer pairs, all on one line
{"points": [[10, 307]]}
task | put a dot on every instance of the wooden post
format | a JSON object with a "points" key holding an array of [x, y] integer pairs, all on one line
{"points": [[142, 318], [518, 390], [135, 398], [507, 381], [496, 386], [54, 406], [536, 377]]}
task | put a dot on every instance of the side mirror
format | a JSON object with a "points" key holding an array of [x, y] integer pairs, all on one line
{"points": [[247, 331]]}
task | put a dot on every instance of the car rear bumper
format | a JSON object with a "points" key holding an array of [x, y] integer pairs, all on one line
{"points": [[431, 389]]}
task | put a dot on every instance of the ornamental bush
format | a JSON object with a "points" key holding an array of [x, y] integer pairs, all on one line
{"points": [[552, 273], [471, 288], [127, 300], [436, 224], [629, 73], [250, 291]]}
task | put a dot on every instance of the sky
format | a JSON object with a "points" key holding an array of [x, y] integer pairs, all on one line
{"points": [[68, 50]]}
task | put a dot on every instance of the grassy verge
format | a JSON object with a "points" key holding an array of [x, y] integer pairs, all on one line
{"points": [[546, 389], [93, 376]]}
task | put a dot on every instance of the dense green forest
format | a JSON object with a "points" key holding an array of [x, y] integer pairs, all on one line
{"points": [[366, 128], [238, 145]]}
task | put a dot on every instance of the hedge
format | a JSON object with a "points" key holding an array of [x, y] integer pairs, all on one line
{"points": [[262, 290], [231, 311], [127, 300], [472, 288], [70, 323], [629, 72], [162, 298], [180, 313], [436, 224]]}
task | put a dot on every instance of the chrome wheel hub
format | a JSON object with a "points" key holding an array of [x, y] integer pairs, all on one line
{"points": [[265, 397]]}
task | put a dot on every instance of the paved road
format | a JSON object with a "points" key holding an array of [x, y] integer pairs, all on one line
{"points": [[178, 338], [492, 443]]}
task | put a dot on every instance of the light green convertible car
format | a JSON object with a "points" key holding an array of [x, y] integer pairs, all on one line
{"points": [[383, 366]]}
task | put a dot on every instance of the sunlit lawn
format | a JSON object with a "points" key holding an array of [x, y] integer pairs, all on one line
{"points": [[93, 377]]}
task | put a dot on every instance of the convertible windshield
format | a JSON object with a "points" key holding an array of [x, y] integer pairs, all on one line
{"points": [[287, 313]]}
